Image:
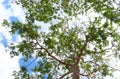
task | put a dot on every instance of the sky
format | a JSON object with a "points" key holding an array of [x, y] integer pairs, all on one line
{"points": [[13, 12]]}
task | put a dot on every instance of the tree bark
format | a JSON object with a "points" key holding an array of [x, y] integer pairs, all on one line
{"points": [[75, 72]]}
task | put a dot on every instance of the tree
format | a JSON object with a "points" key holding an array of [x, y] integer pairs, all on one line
{"points": [[68, 50]]}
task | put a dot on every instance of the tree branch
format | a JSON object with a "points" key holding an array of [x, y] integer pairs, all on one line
{"points": [[114, 68], [31, 62], [70, 57], [49, 54], [87, 75], [81, 51], [65, 74], [92, 61], [116, 2], [83, 74]]}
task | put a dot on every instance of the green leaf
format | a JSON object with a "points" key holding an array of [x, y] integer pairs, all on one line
{"points": [[76, 38]]}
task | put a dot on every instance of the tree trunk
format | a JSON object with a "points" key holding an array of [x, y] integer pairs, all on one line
{"points": [[75, 72]]}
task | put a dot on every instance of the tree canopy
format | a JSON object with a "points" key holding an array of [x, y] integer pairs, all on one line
{"points": [[82, 38]]}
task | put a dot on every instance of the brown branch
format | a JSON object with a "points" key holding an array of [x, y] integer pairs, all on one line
{"points": [[83, 74], [55, 58], [87, 75], [49, 54], [81, 51], [65, 74]]}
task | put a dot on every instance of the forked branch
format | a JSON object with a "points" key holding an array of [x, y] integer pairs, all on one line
{"points": [[55, 58]]}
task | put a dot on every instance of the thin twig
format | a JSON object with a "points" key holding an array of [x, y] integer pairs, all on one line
{"points": [[31, 62], [114, 68], [116, 2], [65, 74]]}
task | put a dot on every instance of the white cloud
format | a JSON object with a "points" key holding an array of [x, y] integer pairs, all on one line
{"points": [[4, 14], [18, 12], [7, 65], [1, 1]]}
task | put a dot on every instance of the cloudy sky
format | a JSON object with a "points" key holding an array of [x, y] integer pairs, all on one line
{"points": [[12, 12]]}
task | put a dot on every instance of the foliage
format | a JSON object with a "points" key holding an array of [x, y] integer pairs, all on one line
{"points": [[80, 50]]}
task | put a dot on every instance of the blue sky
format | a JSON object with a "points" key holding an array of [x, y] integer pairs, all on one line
{"points": [[10, 12], [6, 4], [13, 12]]}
